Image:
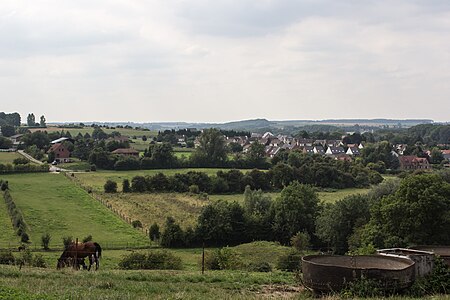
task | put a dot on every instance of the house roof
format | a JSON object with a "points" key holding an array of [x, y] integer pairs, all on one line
{"points": [[55, 147], [411, 159], [61, 139], [125, 151]]}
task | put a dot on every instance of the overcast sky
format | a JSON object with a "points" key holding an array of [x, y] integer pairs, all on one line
{"points": [[215, 61]]}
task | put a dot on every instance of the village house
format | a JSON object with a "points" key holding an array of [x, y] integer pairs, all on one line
{"points": [[319, 150], [353, 151], [305, 142], [446, 154], [126, 152], [62, 154], [412, 162], [16, 140], [334, 150], [308, 150]]}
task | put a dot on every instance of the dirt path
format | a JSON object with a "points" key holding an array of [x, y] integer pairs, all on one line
{"points": [[29, 157]]}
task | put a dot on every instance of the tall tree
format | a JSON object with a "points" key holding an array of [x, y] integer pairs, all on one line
{"points": [[42, 122], [31, 120], [295, 211], [212, 150]]}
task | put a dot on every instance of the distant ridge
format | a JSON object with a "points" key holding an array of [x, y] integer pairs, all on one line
{"points": [[255, 124]]}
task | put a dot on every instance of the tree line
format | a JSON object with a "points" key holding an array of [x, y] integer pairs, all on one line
{"points": [[402, 213]]}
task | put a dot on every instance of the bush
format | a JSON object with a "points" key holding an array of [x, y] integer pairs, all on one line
{"points": [[6, 257], [24, 238], [301, 241], [126, 186], [364, 288], [223, 259], [20, 161], [39, 261], [67, 240], [154, 233], [290, 262], [45, 241], [136, 224], [87, 239], [152, 260], [194, 189], [93, 168], [110, 186], [262, 266]]}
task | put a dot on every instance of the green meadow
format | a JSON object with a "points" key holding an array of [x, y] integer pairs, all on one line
{"points": [[8, 157], [51, 203]]}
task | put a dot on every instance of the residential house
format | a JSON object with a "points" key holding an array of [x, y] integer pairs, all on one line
{"points": [[412, 162], [126, 152], [353, 151], [446, 154], [342, 156], [62, 154], [305, 142], [319, 150], [335, 150], [308, 149], [16, 139]]}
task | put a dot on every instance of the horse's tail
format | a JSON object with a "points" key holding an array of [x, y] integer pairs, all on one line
{"points": [[98, 250]]}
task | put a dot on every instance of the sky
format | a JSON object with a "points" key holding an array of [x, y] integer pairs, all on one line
{"points": [[224, 60]]}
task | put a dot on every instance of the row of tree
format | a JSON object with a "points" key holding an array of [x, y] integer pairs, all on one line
{"points": [[394, 214]]}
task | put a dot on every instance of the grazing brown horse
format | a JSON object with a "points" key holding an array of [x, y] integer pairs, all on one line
{"points": [[75, 254]]}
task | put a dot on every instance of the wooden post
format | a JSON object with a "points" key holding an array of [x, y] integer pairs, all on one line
{"points": [[203, 258], [76, 254]]}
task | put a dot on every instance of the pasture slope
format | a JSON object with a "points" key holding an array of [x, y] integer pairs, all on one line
{"points": [[75, 131], [8, 157], [52, 204]]}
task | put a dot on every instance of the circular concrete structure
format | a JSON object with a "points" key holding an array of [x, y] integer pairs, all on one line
{"points": [[325, 273], [442, 251]]}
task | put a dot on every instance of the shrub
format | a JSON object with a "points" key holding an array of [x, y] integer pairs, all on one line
{"points": [[6, 257], [363, 288], [110, 186], [24, 238], [126, 186], [20, 161], [25, 258], [67, 240], [154, 233], [136, 224], [39, 261], [300, 241], [223, 259], [45, 240], [290, 262], [194, 189], [87, 239], [262, 266], [173, 235], [152, 260], [93, 168]]}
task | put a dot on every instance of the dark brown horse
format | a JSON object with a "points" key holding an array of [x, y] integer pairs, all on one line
{"points": [[75, 254]]}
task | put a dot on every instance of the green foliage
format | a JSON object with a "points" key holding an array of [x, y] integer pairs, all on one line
{"points": [[67, 240], [290, 262], [301, 241], [194, 189], [437, 282], [223, 259], [110, 186], [152, 260], [39, 261], [211, 150], [338, 221], [154, 233], [136, 224], [416, 214], [87, 239], [7, 257], [172, 235], [126, 186], [262, 266], [5, 143], [296, 210], [24, 238], [364, 288]]}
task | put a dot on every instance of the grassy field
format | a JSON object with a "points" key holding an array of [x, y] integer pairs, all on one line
{"points": [[33, 283], [150, 208], [52, 203], [7, 233], [111, 283], [83, 131], [96, 180], [8, 157]]}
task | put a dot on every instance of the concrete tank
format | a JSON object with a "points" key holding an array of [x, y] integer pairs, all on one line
{"points": [[424, 260], [324, 273], [442, 251]]}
